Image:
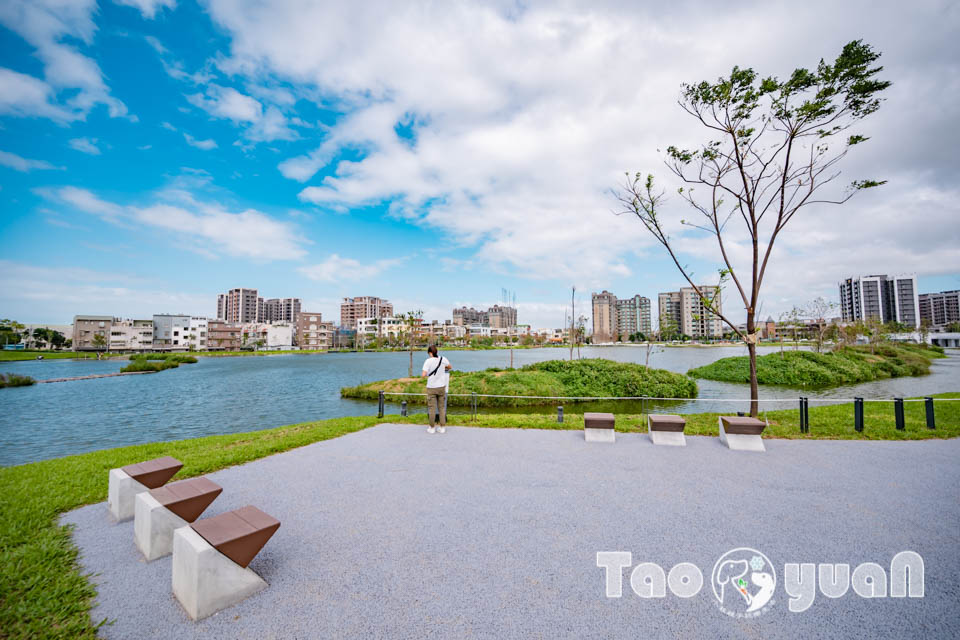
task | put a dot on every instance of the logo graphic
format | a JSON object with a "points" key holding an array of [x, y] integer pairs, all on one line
{"points": [[743, 582]]}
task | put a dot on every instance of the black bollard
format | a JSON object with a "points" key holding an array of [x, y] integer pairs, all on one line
{"points": [[806, 414], [931, 421], [560, 414], [858, 415], [380, 405], [473, 400], [898, 413], [803, 424], [403, 408]]}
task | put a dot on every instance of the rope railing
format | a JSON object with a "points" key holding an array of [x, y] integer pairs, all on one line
{"points": [[491, 395]]}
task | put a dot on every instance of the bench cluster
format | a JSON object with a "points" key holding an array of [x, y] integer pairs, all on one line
{"points": [[210, 556], [737, 432]]}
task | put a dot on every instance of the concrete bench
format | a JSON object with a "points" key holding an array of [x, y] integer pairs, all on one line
{"points": [[210, 559], [598, 427], [741, 433], [666, 430], [126, 482], [159, 512]]}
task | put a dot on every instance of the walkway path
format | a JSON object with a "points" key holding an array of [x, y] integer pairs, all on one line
{"points": [[493, 533]]}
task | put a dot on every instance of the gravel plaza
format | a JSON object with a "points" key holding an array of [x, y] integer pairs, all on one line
{"points": [[494, 533]]}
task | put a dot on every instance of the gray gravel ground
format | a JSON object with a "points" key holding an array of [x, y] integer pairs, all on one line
{"points": [[493, 533]]}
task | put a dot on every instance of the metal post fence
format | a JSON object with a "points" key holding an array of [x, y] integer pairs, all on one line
{"points": [[931, 419], [380, 405], [803, 424], [898, 413], [806, 414], [858, 415], [403, 408], [560, 414]]}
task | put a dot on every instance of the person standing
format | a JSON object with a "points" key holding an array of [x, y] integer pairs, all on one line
{"points": [[436, 370]]}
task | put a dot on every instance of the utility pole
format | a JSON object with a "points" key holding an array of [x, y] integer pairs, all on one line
{"points": [[573, 314]]}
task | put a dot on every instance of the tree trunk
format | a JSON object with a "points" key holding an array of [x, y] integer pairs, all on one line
{"points": [[752, 349]]}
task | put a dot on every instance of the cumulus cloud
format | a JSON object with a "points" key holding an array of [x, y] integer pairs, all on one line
{"points": [[47, 25], [148, 7], [205, 227], [338, 269], [521, 118], [26, 96], [18, 163], [206, 145], [85, 145], [228, 103]]}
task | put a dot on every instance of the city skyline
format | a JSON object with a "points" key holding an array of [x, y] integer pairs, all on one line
{"points": [[154, 156]]}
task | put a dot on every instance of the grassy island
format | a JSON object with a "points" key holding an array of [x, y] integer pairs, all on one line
{"points": [[157, 362], [847, 365], [589, 378]]}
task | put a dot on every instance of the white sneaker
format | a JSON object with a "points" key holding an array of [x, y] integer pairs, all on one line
{"points": [[442, 429], [431, 430]]}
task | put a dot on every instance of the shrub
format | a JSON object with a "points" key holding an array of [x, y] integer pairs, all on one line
{"points": [[14, 380]]}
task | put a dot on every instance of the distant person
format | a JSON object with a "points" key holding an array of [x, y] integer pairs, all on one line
{"points": [[436, 370]]}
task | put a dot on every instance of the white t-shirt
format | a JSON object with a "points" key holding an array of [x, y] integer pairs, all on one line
{"points": [[439, 379]]}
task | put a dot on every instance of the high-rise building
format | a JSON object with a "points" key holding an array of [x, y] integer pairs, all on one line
{"points": [[685, 312], [465, 317], [239, 305], [501, 317], [354, 309], [633, 315], [881, 297], [604, 316], [940, 309], [280, 310]]}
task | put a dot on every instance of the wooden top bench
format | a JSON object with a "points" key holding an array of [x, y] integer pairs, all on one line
{"points": [[598, 421], [743, 425], [238, 534], [188, 498], [666, 422], [153, 473]]}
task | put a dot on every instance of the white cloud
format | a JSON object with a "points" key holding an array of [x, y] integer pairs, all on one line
{"points": [[85, 145], [204, 227], [337, 269], [524, 116], [26, 96], [46, 24], [148, 7], [260, 124], [206, 145], [18, 163]]}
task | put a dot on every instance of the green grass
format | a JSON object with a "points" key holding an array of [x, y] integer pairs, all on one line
{"points": [[43, 593], [13, 356], [14, 380], [157, 361], [849, 365], [582, 378]]}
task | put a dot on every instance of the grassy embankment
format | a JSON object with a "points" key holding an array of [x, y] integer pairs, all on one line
{"points": [[14, 356], [44, 595], [14, 380], [564, 378], [848, 365], [157, 361]]}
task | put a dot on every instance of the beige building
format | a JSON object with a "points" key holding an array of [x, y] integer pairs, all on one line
{"points": [[633, 315], [354, 309], [685, 313], [501, 317], [225, 336], [239, 305], [669, 313], [87, 328], [313, 333], [280, 310], [131, 335], [604, 317]]}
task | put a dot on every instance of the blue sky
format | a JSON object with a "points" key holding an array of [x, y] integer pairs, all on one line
{"points": [[154, 153]]}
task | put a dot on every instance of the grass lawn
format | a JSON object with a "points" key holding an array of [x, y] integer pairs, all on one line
{"points": [[13, 356], [44, 595]]}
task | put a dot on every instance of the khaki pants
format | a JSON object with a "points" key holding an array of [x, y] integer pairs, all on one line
{"points": [[437, 402]]}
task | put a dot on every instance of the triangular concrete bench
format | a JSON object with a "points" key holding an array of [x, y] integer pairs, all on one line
{"points": [[666, 429], [210, 559], [159, 512], [126, 482], [741, 433], [598, 427]]}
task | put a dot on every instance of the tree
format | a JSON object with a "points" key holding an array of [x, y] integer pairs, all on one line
{"points": [[771, 151], [820, 310], [10, 331], [99, 342], [411, 320], [668, 328], [953, 327]]}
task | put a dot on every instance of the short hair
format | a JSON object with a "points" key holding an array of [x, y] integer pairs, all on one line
{"points": [[432, 350]]}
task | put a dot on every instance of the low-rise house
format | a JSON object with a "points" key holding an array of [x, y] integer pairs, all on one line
{"points": [[224, 336], [87, 328], [313, 333]]}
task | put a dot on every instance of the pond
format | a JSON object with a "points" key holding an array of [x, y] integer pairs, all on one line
{"points": [[235, 394]]}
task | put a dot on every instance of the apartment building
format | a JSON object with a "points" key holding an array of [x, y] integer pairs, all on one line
{"points": [[465, 317], [313, 333], [225, 336], [684, 312], [385, 328], [239, 305], [280, 310], [171, 332], [605, 327], [501, 317], [633, 315], [131, 335], [87, 328], [939, 309], [447, 330], [669, 311], [352, 310], [881, 297]]}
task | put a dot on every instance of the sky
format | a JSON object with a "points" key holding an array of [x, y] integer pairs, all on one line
{"points": [[154, 153]]}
